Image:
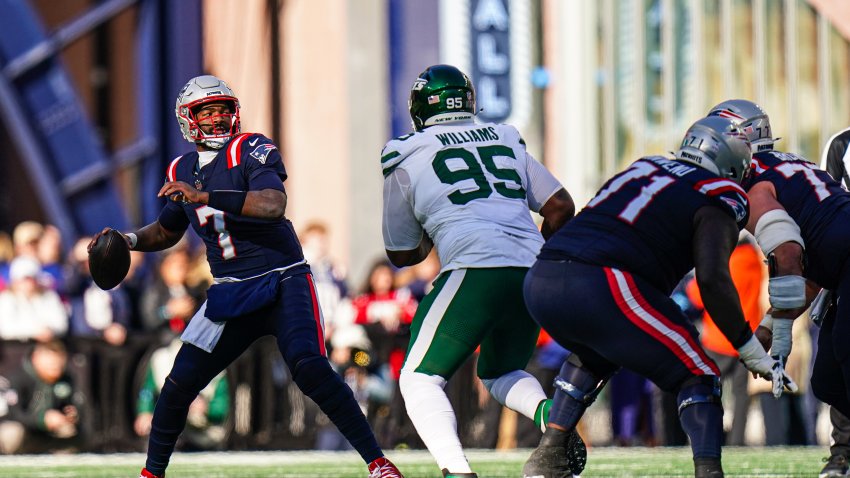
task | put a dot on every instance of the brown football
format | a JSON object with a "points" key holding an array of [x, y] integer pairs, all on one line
{"points": [[109, 260]]}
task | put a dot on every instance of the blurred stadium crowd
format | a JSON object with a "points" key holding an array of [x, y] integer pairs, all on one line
{"points": [[81, 367]]}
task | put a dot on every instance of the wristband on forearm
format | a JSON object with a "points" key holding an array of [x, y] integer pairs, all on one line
{"points": [[132, 239], [228, 201]]}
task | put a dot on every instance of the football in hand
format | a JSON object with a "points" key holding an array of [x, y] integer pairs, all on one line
{"points": [[109, 260]]}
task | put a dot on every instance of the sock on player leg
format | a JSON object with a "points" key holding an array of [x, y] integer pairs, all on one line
{"points": [[169, 420], [702, 415], [435, 421], [517, 390]]}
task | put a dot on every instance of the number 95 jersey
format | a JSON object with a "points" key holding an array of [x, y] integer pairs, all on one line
{"points": [[470, 188], [642, 220]]}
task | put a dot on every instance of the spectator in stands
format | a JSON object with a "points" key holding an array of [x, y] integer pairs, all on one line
{"points": [[351, 358], [138, 280], [28, 311], [98, 336], [206, 423], [25, 238], [170, 302], [748, 273], [328, 276], [49, 253], [40, 404], [7, 253], [96, 313], [386, 313], [419, 278]]}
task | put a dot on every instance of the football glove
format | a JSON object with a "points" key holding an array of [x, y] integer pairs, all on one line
{"points": [[780, 379]]}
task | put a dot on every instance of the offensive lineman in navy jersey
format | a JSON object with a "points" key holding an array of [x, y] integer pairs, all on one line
{"points": [[801, 219], [601, 288], [231, 192]]}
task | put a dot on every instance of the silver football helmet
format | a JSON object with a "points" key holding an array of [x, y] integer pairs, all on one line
{"points": [[200, 91], [717, 144], [752, 120]]}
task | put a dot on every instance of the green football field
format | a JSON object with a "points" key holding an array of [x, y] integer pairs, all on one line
{"points": [[602, 462]]}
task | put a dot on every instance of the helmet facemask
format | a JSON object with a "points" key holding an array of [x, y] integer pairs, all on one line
{"points": [[219, 134]]}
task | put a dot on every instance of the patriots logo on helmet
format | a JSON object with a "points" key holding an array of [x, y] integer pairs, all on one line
{"points": [[261, 152], [739, 208]]}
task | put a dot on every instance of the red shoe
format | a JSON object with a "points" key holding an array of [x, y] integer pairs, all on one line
{"points": [[146, 474], [383, 468]]}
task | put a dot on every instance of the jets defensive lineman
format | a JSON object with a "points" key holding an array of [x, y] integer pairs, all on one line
{"points": [[467, 189]]}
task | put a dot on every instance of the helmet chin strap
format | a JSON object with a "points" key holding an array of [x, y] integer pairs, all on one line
{"points": [[214, 143]]}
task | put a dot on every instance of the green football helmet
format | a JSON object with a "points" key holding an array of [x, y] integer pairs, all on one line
{"points": [[441, 94]]}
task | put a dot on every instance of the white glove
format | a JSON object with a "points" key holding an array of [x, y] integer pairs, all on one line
{"points": [[756, 359], [781, 345]]}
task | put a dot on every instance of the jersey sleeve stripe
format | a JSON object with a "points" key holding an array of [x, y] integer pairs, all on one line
{"points": [[715, 186], [389, 169], [389, 156], [758, 166], [234, 151], [171, 174]]}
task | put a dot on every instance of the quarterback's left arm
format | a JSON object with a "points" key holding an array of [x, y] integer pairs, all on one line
{"points": [[263, 204]]}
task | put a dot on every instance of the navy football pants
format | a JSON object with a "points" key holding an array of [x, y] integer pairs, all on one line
{"points": [[295, 320], [612, 319], [831, 372]]}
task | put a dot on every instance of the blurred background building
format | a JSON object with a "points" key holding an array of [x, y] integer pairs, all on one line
{"points": [[87, 90]]}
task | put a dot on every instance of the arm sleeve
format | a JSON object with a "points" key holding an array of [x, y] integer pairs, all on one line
{"points": [[401, 229], [172, 217], [541, 184]]}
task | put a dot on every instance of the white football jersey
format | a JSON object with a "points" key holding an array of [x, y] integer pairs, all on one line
{"points": [[470, 188]]}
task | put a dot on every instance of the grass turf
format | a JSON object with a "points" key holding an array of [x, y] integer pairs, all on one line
{"points": [[602, 462]]}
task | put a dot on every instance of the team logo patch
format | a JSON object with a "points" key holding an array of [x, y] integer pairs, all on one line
{"points": [[419, 84], [739, 208], [261, 152]]}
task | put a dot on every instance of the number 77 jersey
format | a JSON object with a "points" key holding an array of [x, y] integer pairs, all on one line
{"points": [[817, 203], [470, 188], [642, 220]]}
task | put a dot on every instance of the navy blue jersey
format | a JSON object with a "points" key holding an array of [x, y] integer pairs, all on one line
{"points": [[817, 203], [237, 246], [642, 220]]}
